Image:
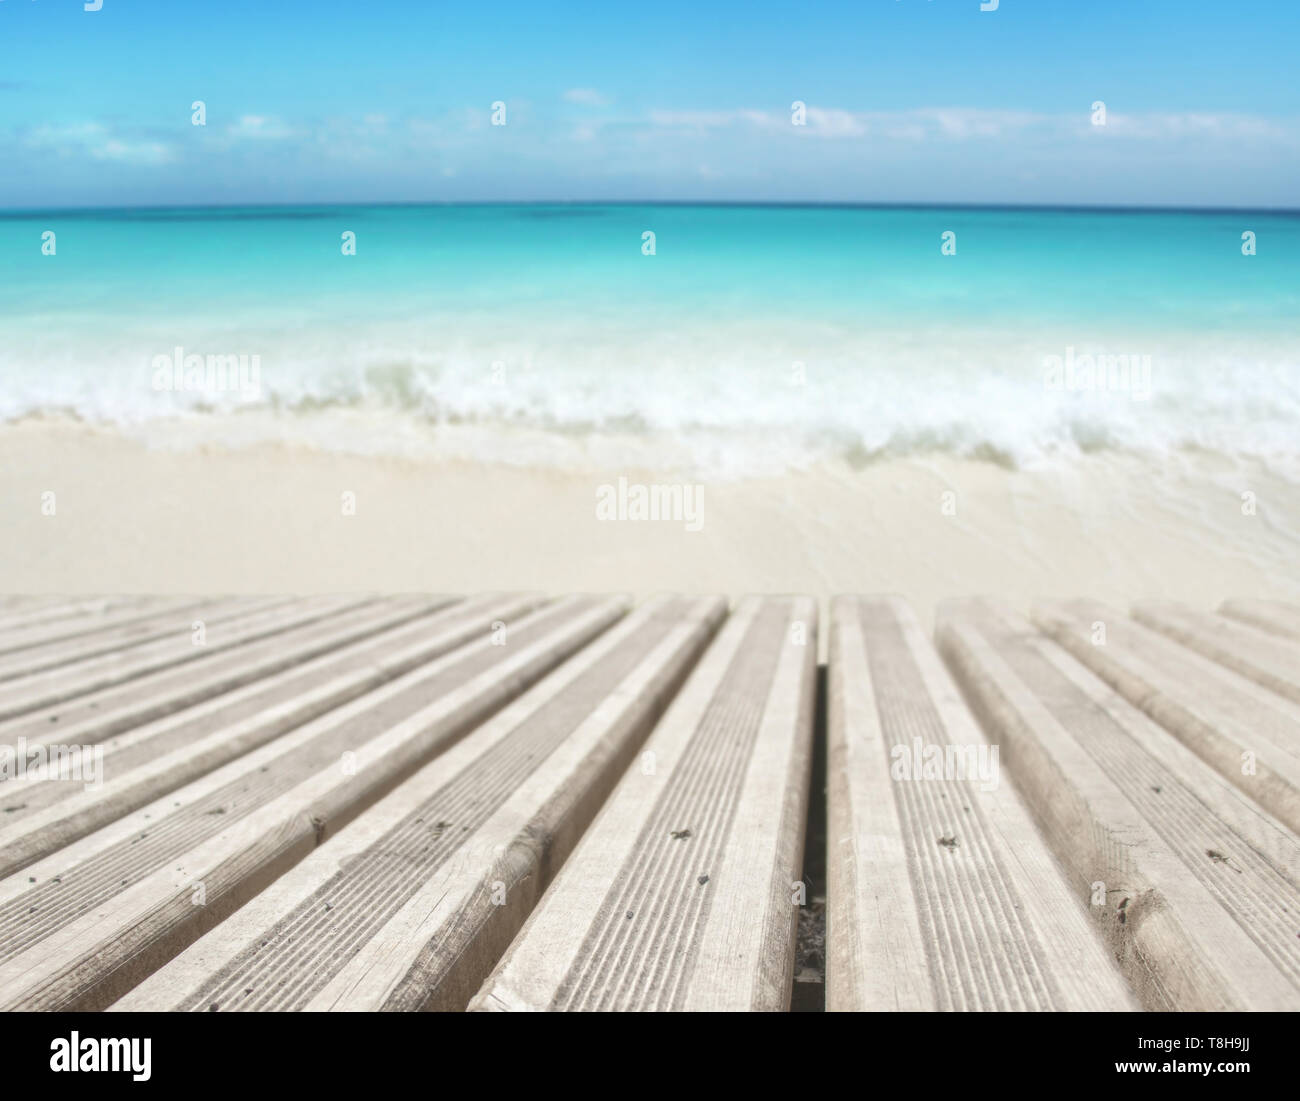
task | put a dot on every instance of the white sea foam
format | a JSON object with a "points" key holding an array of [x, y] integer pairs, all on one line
{"points": [[729, 397]]}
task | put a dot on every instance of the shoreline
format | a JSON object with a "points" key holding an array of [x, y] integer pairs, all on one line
{"points": [[272, 518]]}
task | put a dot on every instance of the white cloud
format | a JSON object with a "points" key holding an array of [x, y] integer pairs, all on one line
{"points": [[1202, 124], [92, 139], [710, 120], [833, 123], [260, 127], [588, 97], [973, 122], [932, 124]]}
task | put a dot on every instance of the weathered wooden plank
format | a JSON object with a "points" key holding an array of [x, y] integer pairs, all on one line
{"points": [[161, 756], [1266, 659], [1249, 734], [1195, 887], [98, 716], [1273, 616], [941, 892], [684, 892], [411, 905], [84, 925], [237, 626], [38, 613], [86, 618]]}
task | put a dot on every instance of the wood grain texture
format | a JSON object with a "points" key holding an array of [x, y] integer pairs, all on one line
{"points": [[81, 927], [1195, 886], [374, 647], [1250, 735], [1265, 658], [1273, 616], [684, 892], [414, 902], [942, 894], [512, 801]]}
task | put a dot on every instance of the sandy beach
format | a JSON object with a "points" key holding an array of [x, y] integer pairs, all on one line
{"points": [[272, 517]]}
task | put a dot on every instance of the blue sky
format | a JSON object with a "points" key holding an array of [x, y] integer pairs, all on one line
{"points": [[907, 100]]}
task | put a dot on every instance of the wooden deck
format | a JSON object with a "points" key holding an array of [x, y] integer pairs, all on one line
{"points": [[515, 802], [1190, 880]]}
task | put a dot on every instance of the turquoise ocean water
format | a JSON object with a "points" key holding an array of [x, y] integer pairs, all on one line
{"points": [[763, 334]]}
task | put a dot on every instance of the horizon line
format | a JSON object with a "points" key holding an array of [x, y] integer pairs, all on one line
{"points": [[787, 204]]}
